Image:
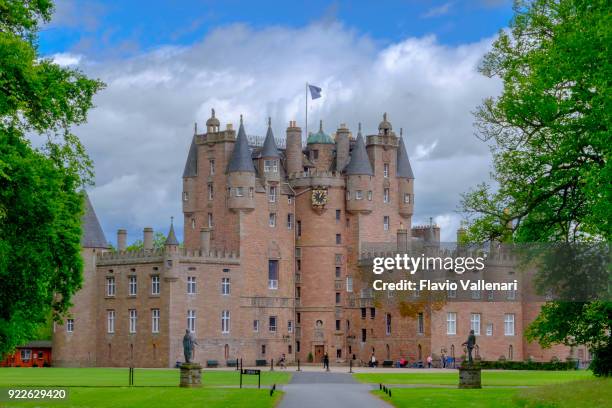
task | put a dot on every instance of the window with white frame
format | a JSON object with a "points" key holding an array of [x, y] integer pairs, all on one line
{"points": [[349, 283], [210, 220], [406, 198], [475, 323], [239, 191], [475, 294], [386, 170], [110, 321], [191, 285], [386, 223], [255, 325], [210, 191], [155, 289], [191, 320], [154, 320], [289, 221], [133, 320], [489, 329], [69, 325], [26, 354], [272, 194], [290, 326], [211, 164], [386, 195], [451, 323], [185, 196], [272, 220], [272, 324], [225, 321], [110, 286], [358, 195], [509, 324], [511, 295], [370, 195], [273, 274], [132, 285], [225, 286], [271, 166]]}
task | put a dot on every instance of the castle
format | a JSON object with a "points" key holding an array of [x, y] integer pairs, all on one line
{"points": [[273, 241]]}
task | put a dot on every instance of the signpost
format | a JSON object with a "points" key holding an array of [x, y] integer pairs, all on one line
{"points": [[250, 371]]}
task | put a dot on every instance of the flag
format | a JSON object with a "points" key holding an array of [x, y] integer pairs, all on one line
{"points": [[315, 91]]}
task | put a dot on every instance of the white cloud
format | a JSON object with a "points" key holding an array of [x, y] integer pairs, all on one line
{"points": [[139, 133], [66, 59], [438, 10]]}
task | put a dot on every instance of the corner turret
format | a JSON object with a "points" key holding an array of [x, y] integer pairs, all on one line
{"points": [[270, 157], [241, 174], [405, 180], [359, 181]]}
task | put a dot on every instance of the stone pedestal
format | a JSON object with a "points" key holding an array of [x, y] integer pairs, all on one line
{"points": [[191, 375], [469, 376]]}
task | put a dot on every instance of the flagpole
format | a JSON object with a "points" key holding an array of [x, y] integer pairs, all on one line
{"points": [[306, 124]]}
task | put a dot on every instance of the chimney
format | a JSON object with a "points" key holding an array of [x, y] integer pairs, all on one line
{"points": [[342, 147], [121, 239], [205, 240], [460, 234], [294, 148], [402, 239], [148, 239]]}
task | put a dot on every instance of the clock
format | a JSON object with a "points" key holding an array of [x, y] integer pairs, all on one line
{"points": [[319, 198]]}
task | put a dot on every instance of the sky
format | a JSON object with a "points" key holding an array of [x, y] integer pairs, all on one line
{"points": [[166, 64]]}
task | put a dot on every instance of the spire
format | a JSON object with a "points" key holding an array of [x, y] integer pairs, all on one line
{"points": [[240, 160], [93, 236], [270, 150], [404, 170], [360, 162], [191, 165], [171, 240], [321, 125]]}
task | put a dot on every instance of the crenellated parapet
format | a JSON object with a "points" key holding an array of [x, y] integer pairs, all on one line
{"points": [[317, 178], [158, 256]]}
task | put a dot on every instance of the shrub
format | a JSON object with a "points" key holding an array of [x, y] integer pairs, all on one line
{"points": [[528, 365]]}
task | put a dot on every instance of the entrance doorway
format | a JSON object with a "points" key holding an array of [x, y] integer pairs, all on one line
{"points": [[318, 356]]}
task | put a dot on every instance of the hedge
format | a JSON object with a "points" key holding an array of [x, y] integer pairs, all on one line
{"points": [[529, 365]]}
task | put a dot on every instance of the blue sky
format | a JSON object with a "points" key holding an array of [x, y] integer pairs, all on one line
{"points": [[166, 64]]}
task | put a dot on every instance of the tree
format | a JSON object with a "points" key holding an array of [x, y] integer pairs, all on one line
{"points": [[550, 138], [40, 203], [159, 239]]}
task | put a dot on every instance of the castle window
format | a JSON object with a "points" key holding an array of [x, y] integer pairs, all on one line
{"points": [[290, 326], [369, 195], [271, 166], [298, 252], [388, 324], [372, 312], [193, 223], [297, 346], [406, 198], [386, 223], [263, 349], [155, 284], [420, 323], [272, 324], [338, 325], [363, 335], [298, 263], [69, 325], [26, 354], [475, 323], [363, 312], [338, 298], [132, 285], [338, 272], [225, 321], [272, 220], [154, 320], [338, 215], [349, 283], [210, 191], [338, 239], [338, 259], [289, 349], [511, 294], [289, 221], [299, 228], [298, 292], [210, 220], [451, 323], [191, 320], [273, 274], [489, 329], [191, 285], [255, 325], [185, 196], [239, 191], [475, 294], [110, 321], [272, 194], [225, 286], [358, 195], [298, 317], [110, 286], [251, 192], [386, 195], [211, 164], [509, 324], [314, 155], [386, 170], [133, 319]]}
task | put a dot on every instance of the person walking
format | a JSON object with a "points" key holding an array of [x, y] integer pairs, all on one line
{"points": [[326, 362], [282, 363], [373, 362], [429, 359], [443, 360]]}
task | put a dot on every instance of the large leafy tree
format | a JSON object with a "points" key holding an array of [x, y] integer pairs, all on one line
{"points": [[40, 206], [550, 135]]}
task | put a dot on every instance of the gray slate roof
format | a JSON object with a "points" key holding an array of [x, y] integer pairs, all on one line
{"points": [[93, 236], [404, 169], [269, 147], [171, 240], [240, 159], [360, 162], [191, 165]]}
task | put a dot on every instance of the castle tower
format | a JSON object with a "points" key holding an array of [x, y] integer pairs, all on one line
{"points": [[320, 149], [171, 245], [342, 147], [212, 124], [294, 149], [270, 157], [405, 181], [359, 180], [241, 174]]}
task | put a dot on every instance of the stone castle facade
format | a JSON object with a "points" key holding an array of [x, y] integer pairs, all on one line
{"points": [[273, 243]]}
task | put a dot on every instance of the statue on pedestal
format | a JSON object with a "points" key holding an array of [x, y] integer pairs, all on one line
{"points": [[188, 343], [470, 344]]}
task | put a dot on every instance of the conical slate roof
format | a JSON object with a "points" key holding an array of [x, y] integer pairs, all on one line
{"points": [[404, 169], [360, 162], [171, 240], [191, 165], [93, 236], [240, 159], [270, 150]]}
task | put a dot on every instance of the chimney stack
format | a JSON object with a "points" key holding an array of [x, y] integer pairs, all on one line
{"points": [[402, 239], [121, 239], [205, 240], [148, 239], [294, 148], [342, 147]]}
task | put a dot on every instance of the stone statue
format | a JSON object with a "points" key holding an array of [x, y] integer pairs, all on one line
{"points": [[470, 344], [188, 343]]}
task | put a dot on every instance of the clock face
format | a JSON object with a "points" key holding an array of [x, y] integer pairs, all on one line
{"points": [[319, 198]]}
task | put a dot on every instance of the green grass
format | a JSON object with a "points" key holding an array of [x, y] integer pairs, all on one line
{"points": [[588, 393], [489, 378], [160, 397], [100, 377]]}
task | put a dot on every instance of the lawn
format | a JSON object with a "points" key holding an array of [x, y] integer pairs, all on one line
{"points": [[588, 393], [100, 377], [489, 377]]}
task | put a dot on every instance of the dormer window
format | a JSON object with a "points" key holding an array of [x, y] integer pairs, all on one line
{"points": [[270, 166]]}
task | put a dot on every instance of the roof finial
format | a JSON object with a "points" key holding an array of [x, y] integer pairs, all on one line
{"points": [[269, 121], [359, 127], [321, 125], [212, 111], [195, 128], [171, 220], [401, 132], [385, 116], [241, 118]]}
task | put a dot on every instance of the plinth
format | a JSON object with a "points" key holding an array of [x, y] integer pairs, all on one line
{"points": [[191, 375], [469, 376]]}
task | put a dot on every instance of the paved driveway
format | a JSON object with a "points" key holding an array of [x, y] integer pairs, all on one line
{"points": [[321, 390]]}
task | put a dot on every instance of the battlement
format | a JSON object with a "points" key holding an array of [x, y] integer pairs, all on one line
{"points": [[158, 255], [425, 227]]}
